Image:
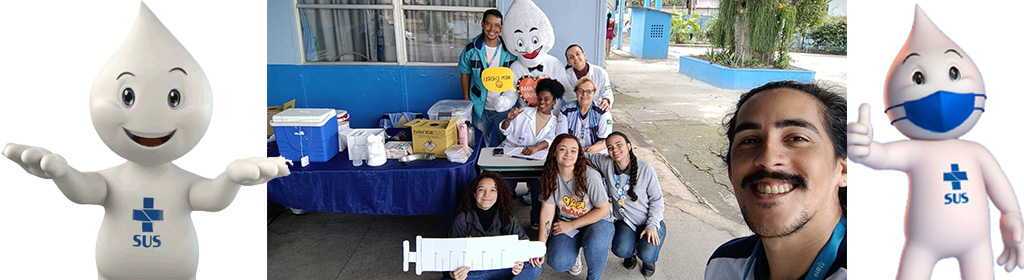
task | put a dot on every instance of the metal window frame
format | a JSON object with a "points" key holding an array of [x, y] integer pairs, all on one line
{"points": [[398, 14]]}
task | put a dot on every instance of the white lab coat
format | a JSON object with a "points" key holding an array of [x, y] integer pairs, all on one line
{"points": [[520, 130], [601, 81]]}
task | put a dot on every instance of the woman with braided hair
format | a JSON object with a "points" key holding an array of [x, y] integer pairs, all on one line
{"points": [[637, 203]]}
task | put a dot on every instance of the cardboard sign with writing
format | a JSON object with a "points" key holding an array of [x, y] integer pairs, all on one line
{"points": [[497, 79]]}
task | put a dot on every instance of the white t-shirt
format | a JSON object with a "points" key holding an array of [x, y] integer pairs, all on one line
{"points": [[493, 60]]}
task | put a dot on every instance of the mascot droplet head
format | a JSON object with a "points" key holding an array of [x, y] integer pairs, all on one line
{"points": [[933, 90], [527, 32], [151, 102]]}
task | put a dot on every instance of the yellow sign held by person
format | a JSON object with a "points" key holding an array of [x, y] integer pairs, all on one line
{"points": [[497, 79]]}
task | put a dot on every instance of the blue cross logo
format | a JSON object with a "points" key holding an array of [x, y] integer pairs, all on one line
{"points": [[147, 215], [955, 176]]}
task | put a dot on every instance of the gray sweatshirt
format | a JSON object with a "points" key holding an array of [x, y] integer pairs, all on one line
{"points": [[649, 208]]}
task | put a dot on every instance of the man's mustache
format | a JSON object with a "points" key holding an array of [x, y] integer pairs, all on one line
{"points": [[796, 180]]}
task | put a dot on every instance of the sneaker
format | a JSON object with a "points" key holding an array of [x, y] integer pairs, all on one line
{"points": [[647, 270], [526, 199], [629, 262], [577, 267], [535, 226]]}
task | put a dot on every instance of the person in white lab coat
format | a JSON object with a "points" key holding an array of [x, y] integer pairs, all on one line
{"points": [[533, 128], [577, 67]]}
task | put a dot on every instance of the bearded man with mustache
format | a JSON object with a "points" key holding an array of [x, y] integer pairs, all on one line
{"points": [[787, 165]]}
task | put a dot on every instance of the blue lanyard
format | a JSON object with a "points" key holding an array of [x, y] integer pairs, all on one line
{"points": [[622, 197], [825, 258], [483, 55]]}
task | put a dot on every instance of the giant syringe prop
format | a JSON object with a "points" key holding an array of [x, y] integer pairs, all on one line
{"points": [[478, 253]]}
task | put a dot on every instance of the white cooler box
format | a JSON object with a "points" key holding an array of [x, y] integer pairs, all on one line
{"points": [[447, 109], [306, 132]]}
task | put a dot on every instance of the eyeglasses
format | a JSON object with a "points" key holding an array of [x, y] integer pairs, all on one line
{"points": [[586, 90]]}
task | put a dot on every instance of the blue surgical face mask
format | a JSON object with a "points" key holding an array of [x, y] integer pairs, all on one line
{"points": [[939, 112]]}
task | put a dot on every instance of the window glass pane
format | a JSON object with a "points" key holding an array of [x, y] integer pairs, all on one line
{"points": [[363, 2], [435, 36], [330, 35], [457, 3]]}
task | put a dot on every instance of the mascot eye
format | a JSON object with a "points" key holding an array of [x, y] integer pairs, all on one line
{"points": [[919, 77], [128, 97], [519, 42], [534, 40], [174, 98], [954, 74]]}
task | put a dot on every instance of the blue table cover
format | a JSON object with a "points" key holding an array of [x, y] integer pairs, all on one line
{"points": [[395, 188]]}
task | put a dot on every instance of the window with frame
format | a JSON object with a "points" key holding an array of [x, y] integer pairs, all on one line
{"points": [[363, 31]]}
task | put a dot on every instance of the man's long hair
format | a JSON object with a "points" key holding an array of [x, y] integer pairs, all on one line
{"points": [[832, 107]]}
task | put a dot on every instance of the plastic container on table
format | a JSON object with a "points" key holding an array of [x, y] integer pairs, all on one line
{"points": [[306, 132], [446, 109]]}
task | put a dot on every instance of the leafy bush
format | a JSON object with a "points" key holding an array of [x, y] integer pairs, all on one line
{"points": [[830, 37], [684, 28], [731, 59], [708, 33]]}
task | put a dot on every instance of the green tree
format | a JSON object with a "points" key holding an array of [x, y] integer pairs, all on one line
{"points": [[761, 31], [830, 36]]}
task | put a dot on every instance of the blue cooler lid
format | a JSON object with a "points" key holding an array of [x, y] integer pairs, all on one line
{"points": [[303, 117]]}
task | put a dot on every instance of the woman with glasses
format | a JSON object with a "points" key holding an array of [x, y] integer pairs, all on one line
{"points": [[585, 119]]}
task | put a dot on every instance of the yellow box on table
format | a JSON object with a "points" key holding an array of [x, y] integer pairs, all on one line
{"points": [[432, 137]]}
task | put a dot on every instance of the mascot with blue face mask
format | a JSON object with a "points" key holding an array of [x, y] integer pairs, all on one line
{"points": [[935, 94], [528, 34]]}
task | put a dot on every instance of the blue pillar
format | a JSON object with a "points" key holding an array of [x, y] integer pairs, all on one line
{"points": [[618, 25], [657, 5]]}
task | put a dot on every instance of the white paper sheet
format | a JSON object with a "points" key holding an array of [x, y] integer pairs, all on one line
{"points": [[518, 153], [478, 253]]}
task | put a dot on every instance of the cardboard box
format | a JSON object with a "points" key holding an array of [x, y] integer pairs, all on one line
{"points": [[273, 110], [343, 131], [432, 137], [398, 149]]}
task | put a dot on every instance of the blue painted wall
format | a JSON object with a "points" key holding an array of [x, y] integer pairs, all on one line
{"points": [[365, 92], [369, 91]]}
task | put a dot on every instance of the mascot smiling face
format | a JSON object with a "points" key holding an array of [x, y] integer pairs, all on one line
{"points": [[527, 32]]}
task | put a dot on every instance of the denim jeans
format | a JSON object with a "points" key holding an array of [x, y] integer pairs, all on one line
{"points": [[534, 187], [594, 239], [627, 242], [489, 123], [529, 272]]}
